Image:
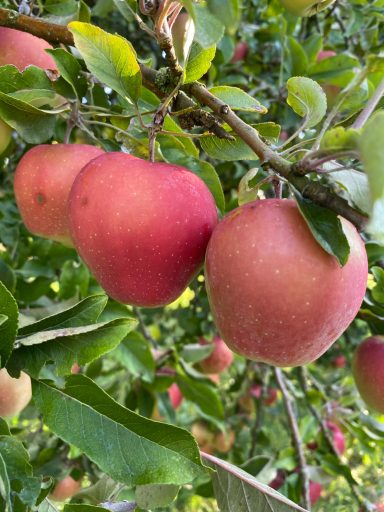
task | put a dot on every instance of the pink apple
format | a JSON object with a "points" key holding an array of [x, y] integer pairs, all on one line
{"points": [[219, 359], [368, 372]]}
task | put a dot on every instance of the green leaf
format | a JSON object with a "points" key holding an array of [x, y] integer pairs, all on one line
{"points": [[135, 354], [74, 280], [155, 496], [227, 11], [356, 185], [199, 62], [34, 125], [87, 508], [145, 451], [8, 328], [194, 352], [209, 30], [111, 58], [70, 70], [203, 394], [307, 99], [338, 70], [11, 79], [84, 313], [326, 227], [187, 143], [296, 57], [68, 346], [5, 487], [372, 157], [224, 149], [18, 470], [236, 490], [237, 99], [7, 276], [340, 138]]}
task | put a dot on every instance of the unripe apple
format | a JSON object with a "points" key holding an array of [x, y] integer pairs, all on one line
{"points": [[368, 372], [276, 296], [219, 359], [141, 227], [203, 436], [5, 135], [306, 7], [65, 489], [271, 394], [224, 441], [175, 395], [314, 492], [15, 394], [241, 52], [22, 50], [339, 361], [338, 437], [43, 180]]}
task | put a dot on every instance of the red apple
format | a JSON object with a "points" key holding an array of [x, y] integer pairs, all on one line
{"points": [[325, 54], [224, 441], [241, 52], [315, 492], [43, 179], [219, 359], [339, 361], [271, 395], [368, 372], [276, 296], [5, 136], [75, 368], [22, 50], [15, 394], [278, 481], [338, 437], [203, 436], [65, 489], [141, 227], [175, 395]]}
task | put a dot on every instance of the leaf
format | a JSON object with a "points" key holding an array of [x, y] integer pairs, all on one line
{"points": [[70, 70], [84, 313], [155, 496], [203, 394], [145, 451], [34, 125], [187, 143], [227, 11], [209, 30], [224, 149], [86, 508], [307, 99], [237, 99], [194, 352], [340, 138], [326, 227], [65, 347], [296, 57], [199, 62], [356, 185], [111, 58], [338, 70], [237, 491], [11, 79], [19, 470], [8, 327], [135, 354]]}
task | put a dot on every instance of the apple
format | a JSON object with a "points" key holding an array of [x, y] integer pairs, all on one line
{"points": [[306, 7], [15, 394], [271, 395], [278, 481], [276, 296], [338, 437], [141, 227], [75, 368], [175, 395], [65, 489], [22, 50], [240, 53], [325, 54], [339, 361], [5, 136], [224, 441], [219, 359], [43, 180], [204, 437], [314, 492], [368, 372]]}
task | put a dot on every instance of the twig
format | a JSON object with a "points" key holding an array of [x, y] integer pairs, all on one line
{"points": [[259, 409], [303, 379], [296, 437], [370, 107], [143, 327]]}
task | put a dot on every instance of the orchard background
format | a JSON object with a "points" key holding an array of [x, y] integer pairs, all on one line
{"points": [[260, 99]]}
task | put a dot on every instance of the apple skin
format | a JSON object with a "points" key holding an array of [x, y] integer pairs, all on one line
{"points": [[338, 437], [368, 372], [22, 50], [306, 7], [204, 437], [141, 227], [5, 136], [314, 492], [339, 361], [271, 397], [65, 489], [224, 442], [175, 395], [15, 394], [292, 299], [43, 180], [278, 481], [219, 359], [240, 53]]}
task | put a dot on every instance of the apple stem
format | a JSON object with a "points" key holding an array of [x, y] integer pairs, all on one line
{"points": [[303, 468]]}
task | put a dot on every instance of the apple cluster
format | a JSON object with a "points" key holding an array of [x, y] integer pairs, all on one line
{"points": [[145, 228]]}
